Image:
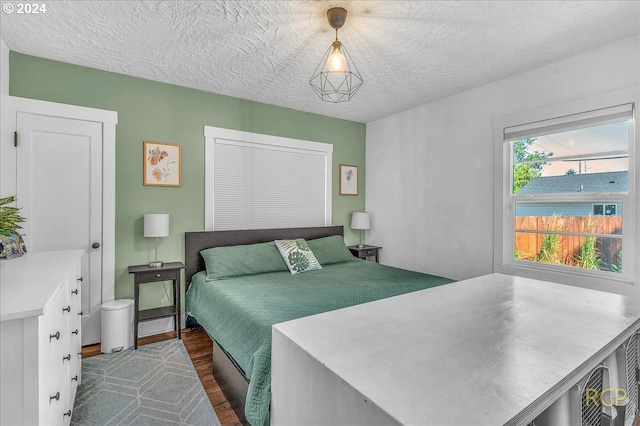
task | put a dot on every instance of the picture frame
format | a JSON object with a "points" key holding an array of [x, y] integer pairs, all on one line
{"points": [[162, 164], [348, 179]]}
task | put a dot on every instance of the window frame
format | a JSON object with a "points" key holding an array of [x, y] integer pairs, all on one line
{"points": [[504, 199], [604, 209]]}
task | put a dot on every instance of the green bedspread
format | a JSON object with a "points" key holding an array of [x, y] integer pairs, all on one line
{"points": [[238, 312]]}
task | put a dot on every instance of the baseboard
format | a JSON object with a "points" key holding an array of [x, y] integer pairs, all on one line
{"points": [[160, 325]]}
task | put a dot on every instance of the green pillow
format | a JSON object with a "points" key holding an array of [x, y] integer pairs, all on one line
{"points": [[233, 261], [297, 255], [330, 250]]}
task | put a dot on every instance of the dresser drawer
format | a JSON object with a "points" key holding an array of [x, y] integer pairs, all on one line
{"points": [[55, 358], [147, 277], [72, 300], [53, 336], [74, 382], [75, 366], [55, 387], [75, 317], [75, 295], [75, 301], [54, 396], [365, 252]]}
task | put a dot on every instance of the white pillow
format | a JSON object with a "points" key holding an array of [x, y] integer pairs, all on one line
{"points": [[297, 255]]}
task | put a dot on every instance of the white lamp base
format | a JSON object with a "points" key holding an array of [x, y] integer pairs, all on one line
{"points": [[156, 264], [360, 245]]}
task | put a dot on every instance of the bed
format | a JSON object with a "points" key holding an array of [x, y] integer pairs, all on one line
{"points": [[237, 292]]}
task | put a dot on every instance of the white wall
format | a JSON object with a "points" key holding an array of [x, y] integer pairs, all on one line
{"points": [[5, 128], [430, 169]]}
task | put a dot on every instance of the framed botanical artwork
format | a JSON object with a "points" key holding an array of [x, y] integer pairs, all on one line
{"points": [[162, 164], [348, 179]]}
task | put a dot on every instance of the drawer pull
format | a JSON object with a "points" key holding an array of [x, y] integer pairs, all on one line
{"points": [[57, 336], [68, 413], [75, 291], [68, 309], [68, 358], [80, 279], [56, 397], [80, 313], [75, 378], [157, 275], [74, 332]]}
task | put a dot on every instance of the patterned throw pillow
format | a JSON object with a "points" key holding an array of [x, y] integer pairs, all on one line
{"points": [[297, 255]]}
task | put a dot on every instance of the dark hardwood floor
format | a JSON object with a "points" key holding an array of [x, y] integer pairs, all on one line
{"points": [[200, 348]]}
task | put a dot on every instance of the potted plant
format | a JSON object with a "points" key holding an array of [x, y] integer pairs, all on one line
{"points": [[11, 243]]}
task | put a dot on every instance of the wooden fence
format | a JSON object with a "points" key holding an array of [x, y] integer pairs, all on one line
{"points": [[529, 245]]}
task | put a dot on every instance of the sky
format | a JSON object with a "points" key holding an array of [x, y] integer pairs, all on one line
{"points": [[599, 141]]}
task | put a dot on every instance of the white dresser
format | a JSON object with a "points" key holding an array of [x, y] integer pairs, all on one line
{"points": [[40, 337]]}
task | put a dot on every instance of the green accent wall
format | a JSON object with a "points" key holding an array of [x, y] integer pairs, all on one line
{"points": [[148, 110]]}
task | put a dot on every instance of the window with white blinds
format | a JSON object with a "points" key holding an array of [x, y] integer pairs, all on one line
{"points": [[256, 181]]}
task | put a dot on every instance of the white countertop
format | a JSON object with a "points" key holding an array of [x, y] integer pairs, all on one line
{"points": [[28, 282], [485, 350]]}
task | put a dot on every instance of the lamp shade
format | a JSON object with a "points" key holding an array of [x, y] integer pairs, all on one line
{"points": [[336, 78], [156, 225], [360, 220]]}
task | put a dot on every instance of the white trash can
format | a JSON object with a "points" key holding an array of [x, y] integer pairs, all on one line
{"points": [[116, 327]]}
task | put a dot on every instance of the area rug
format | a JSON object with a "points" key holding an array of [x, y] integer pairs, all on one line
{"points": [[153, 385]]}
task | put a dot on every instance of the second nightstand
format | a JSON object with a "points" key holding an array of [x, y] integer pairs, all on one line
{"points": [[366, 251], [144, 274]]}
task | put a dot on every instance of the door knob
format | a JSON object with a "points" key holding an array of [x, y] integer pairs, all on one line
{"points": [[95, 245]]}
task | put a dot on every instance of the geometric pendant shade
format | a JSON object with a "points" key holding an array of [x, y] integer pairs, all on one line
{"points": [[336, 78], [336, 86]]}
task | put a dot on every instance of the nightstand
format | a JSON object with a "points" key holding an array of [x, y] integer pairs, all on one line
{"points": [[170, 271], [366, 251]]}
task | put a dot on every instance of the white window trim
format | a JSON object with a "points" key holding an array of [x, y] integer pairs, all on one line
{"points": [[214, 134], [503, 206]]}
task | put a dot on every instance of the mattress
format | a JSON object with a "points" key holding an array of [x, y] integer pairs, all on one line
{"points": [[239, 312]]}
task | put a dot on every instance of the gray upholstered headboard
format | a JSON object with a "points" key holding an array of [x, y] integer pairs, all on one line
{"points": [[194, 242]]}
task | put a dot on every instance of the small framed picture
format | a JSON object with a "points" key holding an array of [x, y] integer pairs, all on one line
{"points": [[348, 179], [162, 164]]}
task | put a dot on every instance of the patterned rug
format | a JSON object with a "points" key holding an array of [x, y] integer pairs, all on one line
{"points": [[154, 385]]}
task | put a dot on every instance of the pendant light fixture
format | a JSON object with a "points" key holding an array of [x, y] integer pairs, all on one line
{"points": [[336, 78]]}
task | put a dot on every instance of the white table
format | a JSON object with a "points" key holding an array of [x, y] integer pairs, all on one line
{"points": [[492, 350]]}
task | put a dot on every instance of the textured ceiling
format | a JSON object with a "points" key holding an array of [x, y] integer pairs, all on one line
{"points": [[408, 52]]}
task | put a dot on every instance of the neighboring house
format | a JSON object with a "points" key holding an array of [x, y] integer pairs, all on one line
{"points": [[590, 182]]}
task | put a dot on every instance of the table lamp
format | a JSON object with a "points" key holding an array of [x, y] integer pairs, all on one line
{"points": [[156, 225], [360, 220]]}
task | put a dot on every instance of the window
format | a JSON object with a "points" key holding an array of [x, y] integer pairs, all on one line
{"points": [[604, 209], [255, 181], [567, 203], [556, 179]]}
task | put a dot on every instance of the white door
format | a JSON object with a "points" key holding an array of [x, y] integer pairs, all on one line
{"points": [[59, 186]]}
